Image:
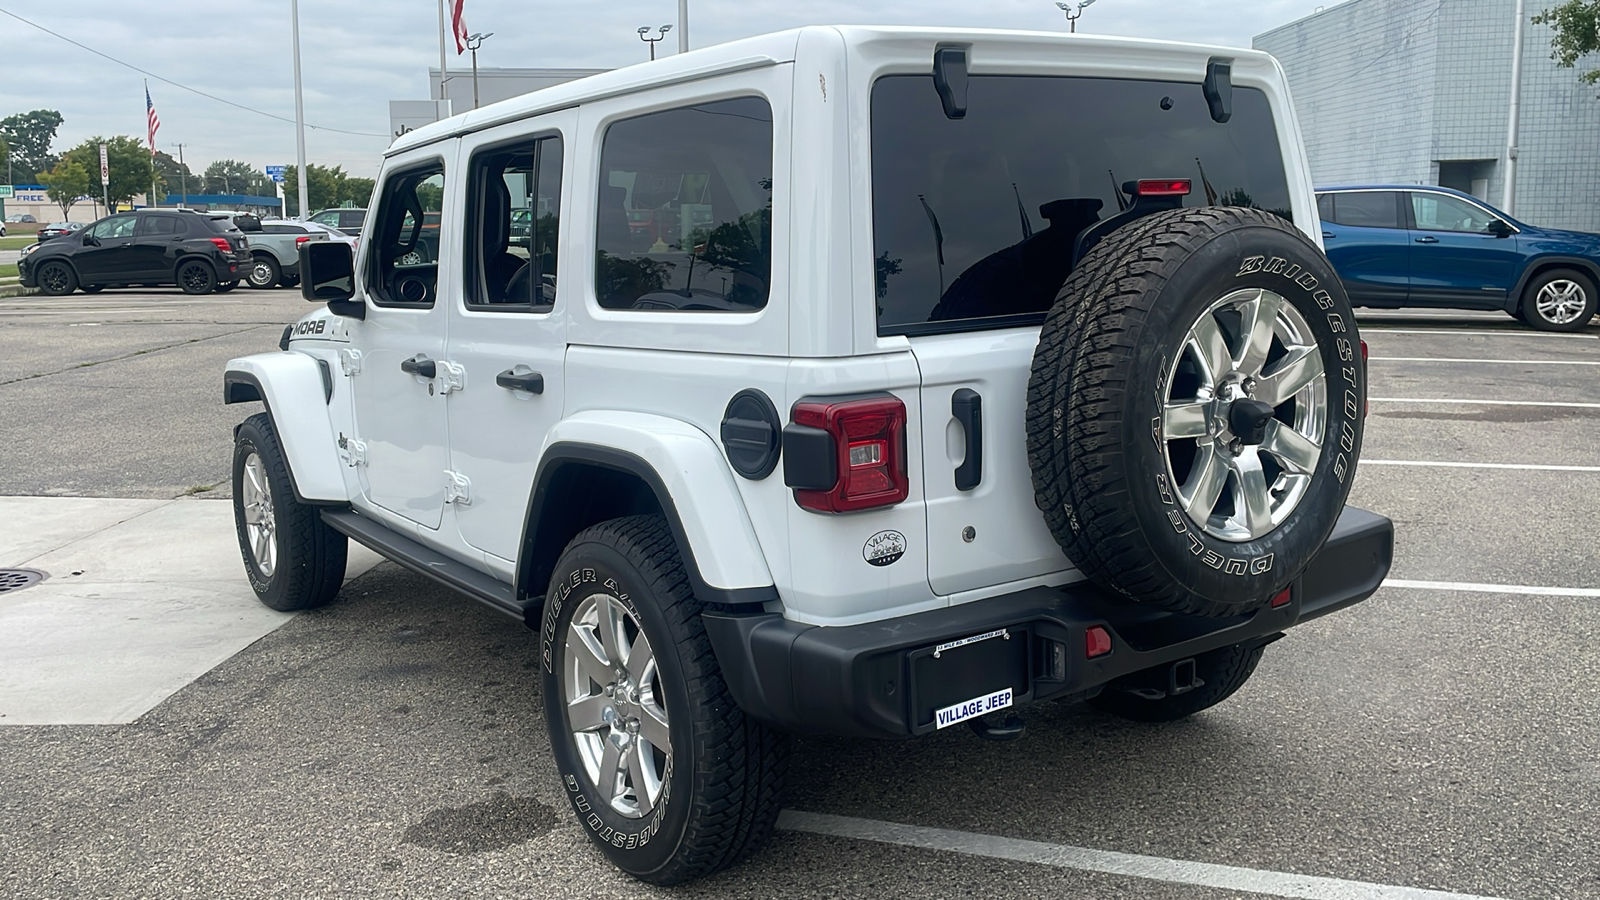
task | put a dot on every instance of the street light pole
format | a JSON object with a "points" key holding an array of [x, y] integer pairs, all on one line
{"points": [[1073, 12], [183, 178], [683, 26], [299, 113], [1508, 197], [474, 41], [644, 35]]}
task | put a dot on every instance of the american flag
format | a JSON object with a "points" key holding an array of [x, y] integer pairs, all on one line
{"points": [[154, 120], [459, 26]]}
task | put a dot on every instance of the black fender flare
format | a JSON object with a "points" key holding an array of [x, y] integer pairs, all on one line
{"points": [[1534, 265]]}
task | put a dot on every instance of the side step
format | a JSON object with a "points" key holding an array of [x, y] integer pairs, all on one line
{"points": [[423, 560]]}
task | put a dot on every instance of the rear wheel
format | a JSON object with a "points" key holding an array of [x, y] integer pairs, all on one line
{"points": [[263, 273], [292, 558], [57, 279], [1559, 300], [669, 778], [196, 277]]}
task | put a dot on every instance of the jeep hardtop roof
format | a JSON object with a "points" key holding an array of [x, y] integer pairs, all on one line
{"points": [[1135, 57]]}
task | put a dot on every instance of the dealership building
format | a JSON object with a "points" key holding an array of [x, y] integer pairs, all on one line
{"points": [[1419, 92]]}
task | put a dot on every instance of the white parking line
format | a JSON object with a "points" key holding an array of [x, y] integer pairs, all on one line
{"points": [[1154, 868], [1509, 332], [1522, 467], [1478, 588], [1484, 402], [1503, 362]]}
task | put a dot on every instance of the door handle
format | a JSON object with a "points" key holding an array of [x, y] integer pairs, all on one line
{"points": [[967, 407], [420, 365], [1427, 239], [512, 380], [1328, 235]]}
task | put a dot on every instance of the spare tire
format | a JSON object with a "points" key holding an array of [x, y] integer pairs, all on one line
{"points": [[1195, 409]]}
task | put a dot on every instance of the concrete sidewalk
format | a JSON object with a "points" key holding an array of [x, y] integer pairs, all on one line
{"points": [[143, 596]]}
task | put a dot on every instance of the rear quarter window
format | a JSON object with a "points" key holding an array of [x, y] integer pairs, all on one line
{"points": [[974, 218]]}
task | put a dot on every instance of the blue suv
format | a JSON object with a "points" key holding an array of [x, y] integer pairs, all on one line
{"points": [[1416, 245]]}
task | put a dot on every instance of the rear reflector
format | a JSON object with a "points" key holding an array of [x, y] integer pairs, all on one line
{"points": [[1281, 598], [869, 453], [1097, 641], [1163, 187]]}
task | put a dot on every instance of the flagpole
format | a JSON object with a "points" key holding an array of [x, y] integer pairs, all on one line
{"points": [[441, 51], [299, 113]]}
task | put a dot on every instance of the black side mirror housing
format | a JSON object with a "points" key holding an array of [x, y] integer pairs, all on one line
{"points": [[1499, 228], [327, 275], [91, 240]]}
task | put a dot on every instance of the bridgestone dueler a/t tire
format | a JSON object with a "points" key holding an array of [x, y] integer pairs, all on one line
{"points": [[1099, 382], [724, 786]]}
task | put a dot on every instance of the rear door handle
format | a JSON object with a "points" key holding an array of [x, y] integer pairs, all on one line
{"points": [[420, 365], [967, 407], [1427, 239], [512, 380]]}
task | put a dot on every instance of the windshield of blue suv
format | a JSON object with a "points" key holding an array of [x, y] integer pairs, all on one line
{"points": [[974, 218]]}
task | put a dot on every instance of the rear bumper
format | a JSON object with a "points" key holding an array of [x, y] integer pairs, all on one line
{"points": [[887, 679]]}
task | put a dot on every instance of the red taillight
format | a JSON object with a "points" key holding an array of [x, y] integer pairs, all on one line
{"points": [[301, 239], [1163, 187], [1281, 598], [869, 446], [222, 244], [1096, 641]]}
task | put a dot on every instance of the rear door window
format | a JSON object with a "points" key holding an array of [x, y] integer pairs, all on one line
{"points": [[685, 209], [974, 218], [150, 226], [1366, 209], [514, 223]]}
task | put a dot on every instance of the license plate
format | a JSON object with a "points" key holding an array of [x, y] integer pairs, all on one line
{"points": [[977, 706]]}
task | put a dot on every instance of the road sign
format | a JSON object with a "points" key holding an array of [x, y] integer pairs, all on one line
{"points": [[7, 192], [105, 170], [276, 173]]}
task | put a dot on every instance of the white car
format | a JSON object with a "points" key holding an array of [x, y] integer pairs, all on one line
{"points": [[848, 381]]}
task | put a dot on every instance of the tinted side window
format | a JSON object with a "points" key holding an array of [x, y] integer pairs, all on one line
{"points": [[330, 219], [516, 206], [976, 218], [114, 227], [685, 209], [1325, 207], [403, 256], [1441, 212], [159, 225], [1366, 209]]}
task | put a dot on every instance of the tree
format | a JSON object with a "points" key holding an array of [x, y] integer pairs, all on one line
{"points": [[29, 136], [1577, 31], [328, 187], [230, 176], [66, 184], [173, 177], [127, 161]]}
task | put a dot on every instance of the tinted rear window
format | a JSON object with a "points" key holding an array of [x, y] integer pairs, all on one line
{"points": [[220, 224], [954, 199], [1366, 209]]}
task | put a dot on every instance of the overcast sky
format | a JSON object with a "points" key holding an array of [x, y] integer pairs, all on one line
{"points": [[359, 54]]}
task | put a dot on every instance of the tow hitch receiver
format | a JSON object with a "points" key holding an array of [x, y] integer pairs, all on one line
{"points": [[1178, 678]]}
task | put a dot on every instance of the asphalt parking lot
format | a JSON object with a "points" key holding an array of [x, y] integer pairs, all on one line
{"points": [[1438, 741]]}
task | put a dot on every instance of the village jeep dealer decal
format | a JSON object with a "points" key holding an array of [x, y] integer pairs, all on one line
{"points": [[978, 706]]}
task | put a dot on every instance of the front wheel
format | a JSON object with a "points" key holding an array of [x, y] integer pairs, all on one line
{"points": [[668, 777], [1559, 300], [292, 558], [57, 279]]}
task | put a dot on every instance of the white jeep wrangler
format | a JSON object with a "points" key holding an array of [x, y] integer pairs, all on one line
{"points": [[859, 381]]}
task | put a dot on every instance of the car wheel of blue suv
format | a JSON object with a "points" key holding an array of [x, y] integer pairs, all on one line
{"points": [[1559, 300]]}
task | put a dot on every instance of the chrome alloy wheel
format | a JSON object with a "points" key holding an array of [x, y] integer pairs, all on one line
{"points": [[1561, 301], [614, 706], [1245, 408], [260, 524]]}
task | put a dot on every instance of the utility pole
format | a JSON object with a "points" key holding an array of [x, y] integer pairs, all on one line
{"points": [[474, 41], [299, 114], [183, 179], [1508, 197], [683, 26]]}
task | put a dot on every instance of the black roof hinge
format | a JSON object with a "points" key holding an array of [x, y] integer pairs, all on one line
{"points": [[950, 80], [1219, 88]]}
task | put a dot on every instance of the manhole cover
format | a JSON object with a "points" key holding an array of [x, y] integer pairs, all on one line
{"points": [[17, 579]]}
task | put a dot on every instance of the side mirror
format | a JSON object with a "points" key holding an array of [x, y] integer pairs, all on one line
{"points": [[1500, 228], [327, 275], [90, 239]]}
